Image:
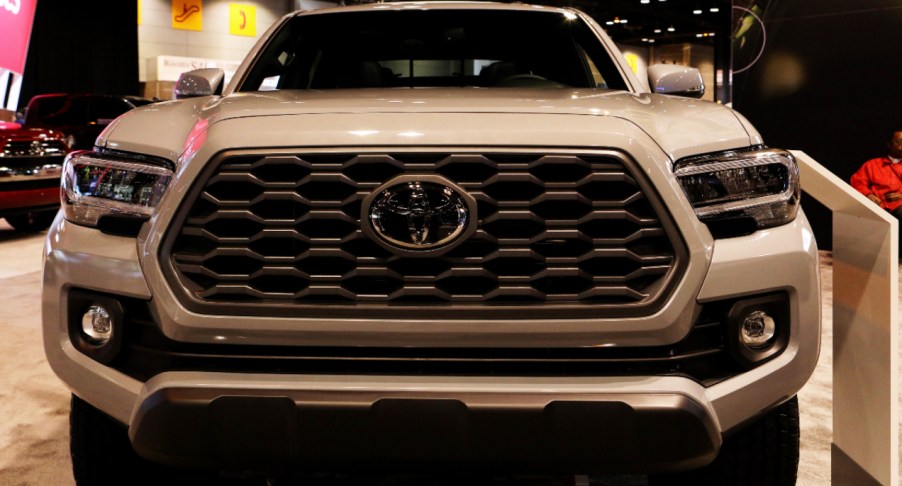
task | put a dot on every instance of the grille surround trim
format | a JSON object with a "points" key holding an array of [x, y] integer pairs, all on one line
{"points": [[366, 308]]}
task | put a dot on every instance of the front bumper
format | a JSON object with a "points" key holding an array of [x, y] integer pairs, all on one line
{"points": [[583, 423], [18, 198], [267, 422], [29, 183]]}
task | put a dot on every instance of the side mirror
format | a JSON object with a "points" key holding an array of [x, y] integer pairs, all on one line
{"points": [[200, 82], [676, 80]]}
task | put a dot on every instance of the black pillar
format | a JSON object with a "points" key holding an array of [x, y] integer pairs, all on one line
{"points": [[82, 47]]}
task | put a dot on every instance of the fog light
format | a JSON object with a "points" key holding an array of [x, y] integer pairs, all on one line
{"points": [[97, 325], [758, 330]]}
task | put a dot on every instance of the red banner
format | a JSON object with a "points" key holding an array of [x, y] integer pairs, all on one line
{"points": [[16, 17]]}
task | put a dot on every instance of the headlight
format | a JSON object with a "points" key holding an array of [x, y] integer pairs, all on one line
{"points": [[738, 192], [96, 185]]}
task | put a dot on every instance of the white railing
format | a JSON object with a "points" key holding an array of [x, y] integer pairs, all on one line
{"points": [[865, 330]]}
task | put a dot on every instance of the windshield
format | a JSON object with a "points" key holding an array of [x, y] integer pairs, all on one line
{"points": [[42, 107], [433, 48]]}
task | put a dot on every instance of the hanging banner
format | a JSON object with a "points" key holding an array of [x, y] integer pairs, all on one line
{"points": [[16, 18], [186, 14]]}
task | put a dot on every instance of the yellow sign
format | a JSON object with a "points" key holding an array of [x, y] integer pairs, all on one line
{"points": [[633, 61], [187, 14], [242, 19]]}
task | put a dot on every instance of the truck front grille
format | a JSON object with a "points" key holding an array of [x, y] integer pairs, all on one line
{"points": [[36, 148], [558, 231]]}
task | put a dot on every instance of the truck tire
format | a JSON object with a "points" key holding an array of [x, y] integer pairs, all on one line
{"points": [[766, 451], [101, 452], [103, 456]]}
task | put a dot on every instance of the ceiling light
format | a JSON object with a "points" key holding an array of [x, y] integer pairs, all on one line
{"points": [[645, 39], [671, 29], [698, 35], [645, 1], [624, 21], [609, 23], [715, 10], [657, 31], [697, 12], [651, 41]]}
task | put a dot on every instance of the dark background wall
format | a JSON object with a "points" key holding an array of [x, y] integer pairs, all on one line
{"points": [[829, 83], [82, 47]]}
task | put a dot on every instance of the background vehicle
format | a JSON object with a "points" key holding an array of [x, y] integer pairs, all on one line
{"points": [[31, 160], [80, 117], [441, 237]]}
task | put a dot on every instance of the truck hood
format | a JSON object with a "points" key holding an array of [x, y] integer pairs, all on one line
{"points": [[680, 126]]}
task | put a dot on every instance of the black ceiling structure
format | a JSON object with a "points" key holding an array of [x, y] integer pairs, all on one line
{"points": [[653, 23], [652, 20], [638, 21]]}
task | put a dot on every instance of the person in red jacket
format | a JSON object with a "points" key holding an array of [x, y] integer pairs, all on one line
{"points": [[880, 179]]}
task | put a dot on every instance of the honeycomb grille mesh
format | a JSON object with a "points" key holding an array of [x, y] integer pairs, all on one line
{"points": [[283, 229]]}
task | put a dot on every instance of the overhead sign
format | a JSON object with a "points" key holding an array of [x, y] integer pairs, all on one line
{"points": [[186, 14], [242, 19], [16, 17]]}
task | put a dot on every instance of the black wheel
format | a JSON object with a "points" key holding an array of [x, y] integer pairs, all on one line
{"points": [[101, 452], [102, 455], [765, 452], [31, 221]]}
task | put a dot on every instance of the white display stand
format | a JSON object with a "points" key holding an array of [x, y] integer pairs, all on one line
{"points": [[865, 330]]}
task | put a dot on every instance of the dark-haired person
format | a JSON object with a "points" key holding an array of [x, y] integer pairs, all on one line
{"points": [[880, 179]]}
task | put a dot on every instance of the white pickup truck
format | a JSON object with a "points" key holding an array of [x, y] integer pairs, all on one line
{"points": [[449, 237]]}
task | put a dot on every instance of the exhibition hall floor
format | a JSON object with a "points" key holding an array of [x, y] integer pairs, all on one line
{"points": [[34, 404]]}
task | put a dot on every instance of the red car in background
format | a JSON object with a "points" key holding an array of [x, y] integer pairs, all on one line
{"points": [[31, 161], [79, 116]]}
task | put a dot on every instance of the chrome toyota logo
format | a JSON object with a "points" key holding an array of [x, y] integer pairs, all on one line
{"points": [[419, 215]]}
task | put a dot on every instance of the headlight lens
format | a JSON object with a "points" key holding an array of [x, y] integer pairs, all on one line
{"points": [[760, 186], [96, 185]]}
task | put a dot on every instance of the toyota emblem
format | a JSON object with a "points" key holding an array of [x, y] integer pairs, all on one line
{"points": [[419, 215]]}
